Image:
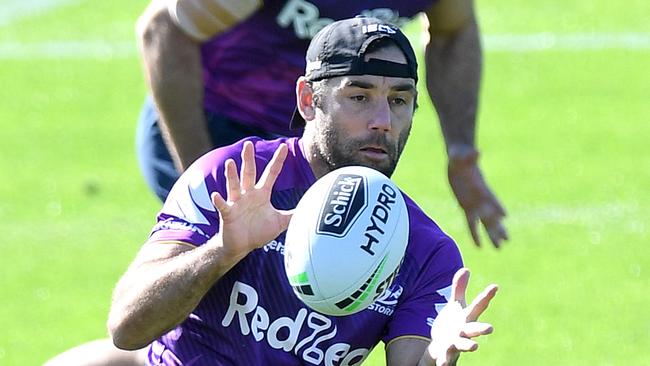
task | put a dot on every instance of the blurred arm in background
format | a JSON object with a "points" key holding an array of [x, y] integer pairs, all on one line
{"points": [[170, 34], [453, 69]]}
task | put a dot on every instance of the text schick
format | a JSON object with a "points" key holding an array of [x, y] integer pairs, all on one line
{"points": [[346, 200]]}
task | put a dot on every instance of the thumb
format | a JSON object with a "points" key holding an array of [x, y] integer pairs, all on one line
{"points": [[284, 217], [219, 203]]}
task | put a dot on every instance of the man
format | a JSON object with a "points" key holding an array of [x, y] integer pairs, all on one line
{"points": [[206, 288], [221, 70]]}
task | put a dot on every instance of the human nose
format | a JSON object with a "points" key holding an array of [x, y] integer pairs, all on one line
{"points": [[381, 117]]}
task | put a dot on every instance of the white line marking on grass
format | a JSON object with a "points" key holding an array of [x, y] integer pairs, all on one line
{"points": [[15, 10], [586, 215], [574, 42], [67, 50], [628, 217], [566, 42]]}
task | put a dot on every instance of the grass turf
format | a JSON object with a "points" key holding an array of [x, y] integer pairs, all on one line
{"points": [[563, 135]]}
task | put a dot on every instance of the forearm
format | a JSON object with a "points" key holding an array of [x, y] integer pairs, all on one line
{"points": [[412, 351], [427, 360], [154, 296], [172, 65], [453, 64]]}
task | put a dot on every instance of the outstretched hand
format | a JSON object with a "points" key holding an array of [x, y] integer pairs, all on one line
{"points": [[475, 197], [456, 324], [248, 219]]}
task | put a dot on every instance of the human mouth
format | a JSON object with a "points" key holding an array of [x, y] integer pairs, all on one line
{"points": [[374, 152]]}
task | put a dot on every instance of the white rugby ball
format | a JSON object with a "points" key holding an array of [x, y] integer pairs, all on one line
{"points": [[346, 240]]}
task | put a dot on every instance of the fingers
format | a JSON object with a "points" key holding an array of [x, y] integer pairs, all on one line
{"points": [[497, 205], [273, 168], [455, 326], [237, 184], [472, 223], [496, 232], [476, 329], [491, 214], [478, 201], [465, 345], [233, 187], [459, 286], [480, 303], [248, 171], [219, 203]]}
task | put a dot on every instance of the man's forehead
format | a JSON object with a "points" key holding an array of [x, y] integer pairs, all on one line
{"points": [[373, 81]]}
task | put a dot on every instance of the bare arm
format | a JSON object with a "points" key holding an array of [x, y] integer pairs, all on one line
{"points": [[453, 64], [172, 67], [405, 351], [160, 289], [167, 281], [453, 67], [171, 57]]}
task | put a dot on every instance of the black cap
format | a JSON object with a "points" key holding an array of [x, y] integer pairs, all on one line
{"points": [[339, 49]]}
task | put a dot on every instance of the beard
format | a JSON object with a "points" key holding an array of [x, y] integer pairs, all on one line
{"points": [[339, 151]]}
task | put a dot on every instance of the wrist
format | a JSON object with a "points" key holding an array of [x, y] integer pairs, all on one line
{"points": [[226, 256], [427, 360], [462, 154]]}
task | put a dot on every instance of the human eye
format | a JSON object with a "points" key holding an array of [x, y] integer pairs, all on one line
{"points": [[399, 101], [359, 98]]}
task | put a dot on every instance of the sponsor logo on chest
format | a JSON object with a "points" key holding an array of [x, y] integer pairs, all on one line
{"points": [[285, 332]]}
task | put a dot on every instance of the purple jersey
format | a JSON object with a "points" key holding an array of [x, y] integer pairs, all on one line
{"points": [[251, 315], [250, 71]]}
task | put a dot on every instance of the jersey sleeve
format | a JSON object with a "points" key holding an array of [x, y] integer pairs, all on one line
{"points": [[429, 292], [203, 19], [188, 215]]}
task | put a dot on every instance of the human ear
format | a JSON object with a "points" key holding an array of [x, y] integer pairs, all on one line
{"points": [[305, 99]]}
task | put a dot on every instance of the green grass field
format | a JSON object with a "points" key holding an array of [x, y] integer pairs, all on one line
{"points": [[564, 128]]}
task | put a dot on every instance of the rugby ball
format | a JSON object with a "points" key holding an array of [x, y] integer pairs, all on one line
{"points": [[346, 240]]}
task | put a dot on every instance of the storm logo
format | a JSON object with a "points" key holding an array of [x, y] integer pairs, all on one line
{"points": [[387, 302]]}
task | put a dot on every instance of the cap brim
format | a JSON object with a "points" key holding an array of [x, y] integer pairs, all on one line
{"points": [[297, 122]]}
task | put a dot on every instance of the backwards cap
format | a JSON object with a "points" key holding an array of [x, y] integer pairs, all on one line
{"points": [[339, 49]]}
